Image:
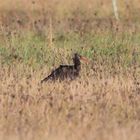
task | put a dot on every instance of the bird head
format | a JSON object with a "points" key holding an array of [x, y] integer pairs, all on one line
{"points": [[77, 58]]}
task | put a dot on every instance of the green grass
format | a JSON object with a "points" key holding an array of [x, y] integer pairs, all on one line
{"points": [[34, 51]]}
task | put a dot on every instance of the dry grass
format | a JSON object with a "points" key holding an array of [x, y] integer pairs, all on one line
{"points": [[95, 106], [102, 104]]}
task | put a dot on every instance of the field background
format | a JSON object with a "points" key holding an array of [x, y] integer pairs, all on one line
{"points": [[37, 36]]}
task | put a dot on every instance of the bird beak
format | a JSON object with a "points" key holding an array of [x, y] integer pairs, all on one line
{"points": [[84, 59]]}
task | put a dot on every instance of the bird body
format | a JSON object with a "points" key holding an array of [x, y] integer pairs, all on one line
{"points": [[66, 71]]}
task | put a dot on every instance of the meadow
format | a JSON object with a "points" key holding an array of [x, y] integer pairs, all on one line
{"points": [[103, 103]]}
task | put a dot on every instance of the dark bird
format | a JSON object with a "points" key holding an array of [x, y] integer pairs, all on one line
{"points": [[66, 71]]}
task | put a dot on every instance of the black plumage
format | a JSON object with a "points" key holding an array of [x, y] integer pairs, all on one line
{"points": [[66, 71]]}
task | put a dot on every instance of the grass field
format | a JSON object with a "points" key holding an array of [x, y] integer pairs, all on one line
{"points": [[36, 37]]}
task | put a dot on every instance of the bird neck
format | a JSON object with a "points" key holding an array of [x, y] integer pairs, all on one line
{"points": [[77, 66]]}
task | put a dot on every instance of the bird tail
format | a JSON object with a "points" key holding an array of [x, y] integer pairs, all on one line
{"points": [[46, 79]]}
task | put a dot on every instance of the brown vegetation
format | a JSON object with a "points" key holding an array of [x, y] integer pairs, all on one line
{"points": [[102, 104]]}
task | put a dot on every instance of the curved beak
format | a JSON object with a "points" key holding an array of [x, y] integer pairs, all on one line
{"points": [[84, 59]]}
